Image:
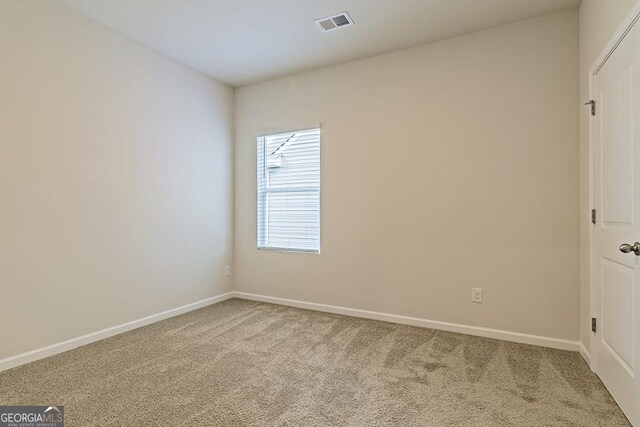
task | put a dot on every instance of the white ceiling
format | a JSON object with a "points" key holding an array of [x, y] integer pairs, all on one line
{"points": [[244, 41]]}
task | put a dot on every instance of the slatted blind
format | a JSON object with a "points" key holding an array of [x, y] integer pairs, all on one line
{"points": [[289, 191]]}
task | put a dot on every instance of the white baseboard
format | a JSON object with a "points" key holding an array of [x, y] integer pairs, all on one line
{"points": [[584, 353], [41, 353], [414, 321]]}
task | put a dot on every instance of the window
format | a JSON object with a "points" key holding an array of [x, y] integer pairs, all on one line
{"points": [[289, 191]]}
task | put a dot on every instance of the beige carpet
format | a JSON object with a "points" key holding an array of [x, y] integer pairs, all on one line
{"points": [[243, 363]]}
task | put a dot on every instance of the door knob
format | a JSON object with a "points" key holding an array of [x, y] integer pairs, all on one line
{"points": [[625, 248]]}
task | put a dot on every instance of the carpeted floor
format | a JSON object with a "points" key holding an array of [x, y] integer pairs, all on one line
{"points": [[241, 363]]}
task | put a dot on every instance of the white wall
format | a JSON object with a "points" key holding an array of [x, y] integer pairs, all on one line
{"points": [[115, 179], [599, 19], [446, 166]]}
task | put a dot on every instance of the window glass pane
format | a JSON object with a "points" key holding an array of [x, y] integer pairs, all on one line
{"points": [[289, 191]]}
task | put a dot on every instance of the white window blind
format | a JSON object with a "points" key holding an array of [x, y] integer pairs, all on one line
{"points": [[289, 191]]}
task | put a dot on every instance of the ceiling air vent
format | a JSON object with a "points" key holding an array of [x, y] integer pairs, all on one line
{"points": [[335, 21]]}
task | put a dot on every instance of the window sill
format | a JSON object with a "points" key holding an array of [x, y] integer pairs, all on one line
{"points": [[299, 251]]}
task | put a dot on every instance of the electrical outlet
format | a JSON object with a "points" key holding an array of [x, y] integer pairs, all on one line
{"points": [[227, 270], [476, 295]]}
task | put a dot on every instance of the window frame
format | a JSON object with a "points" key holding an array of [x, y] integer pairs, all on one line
{"points": [[271, 132]]}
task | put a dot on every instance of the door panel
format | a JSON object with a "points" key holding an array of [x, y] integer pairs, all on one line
{"points": [[617, 148], [616, 194], [617, 327]]}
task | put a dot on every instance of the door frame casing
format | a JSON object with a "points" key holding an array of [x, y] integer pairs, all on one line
{"points": [[628, 22]]}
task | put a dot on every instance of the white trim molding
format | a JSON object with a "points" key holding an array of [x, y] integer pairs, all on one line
{"points": [[584, 353], [41, 353], [415, 321]]}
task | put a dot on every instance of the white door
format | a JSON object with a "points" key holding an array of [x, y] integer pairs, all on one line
{"points": [[616, 196]]}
